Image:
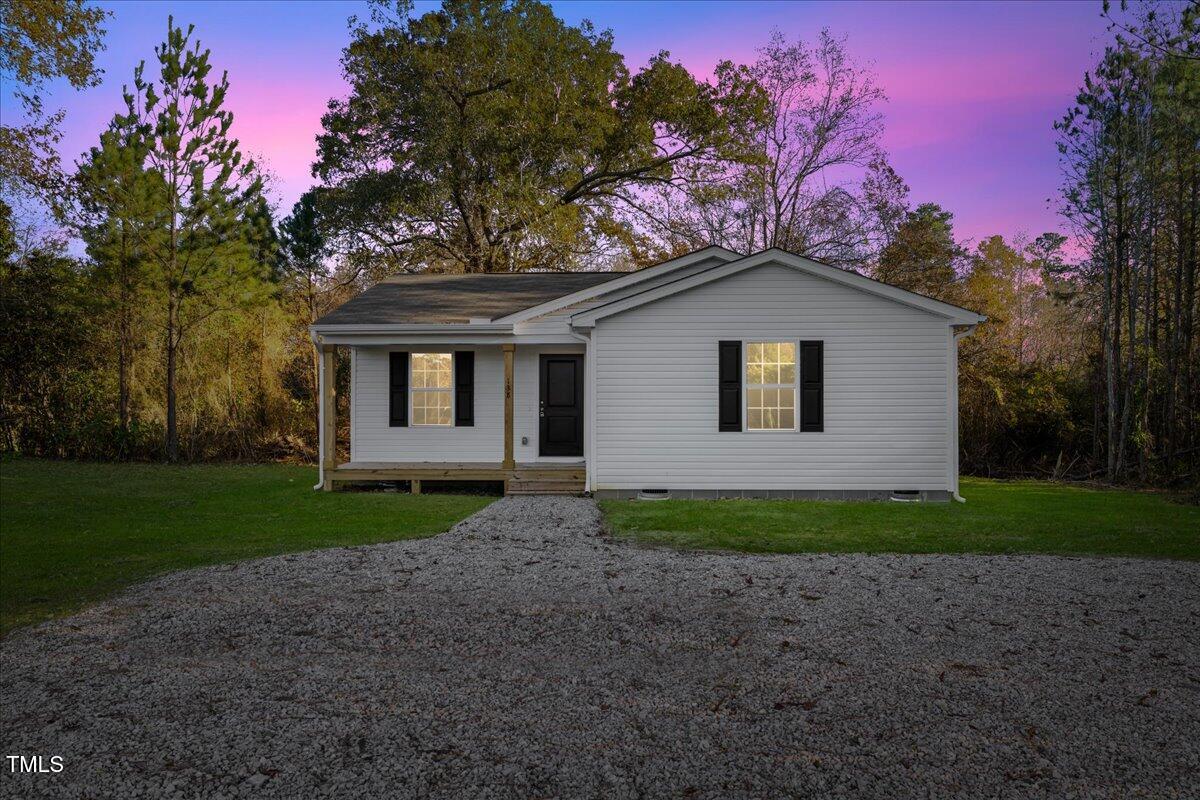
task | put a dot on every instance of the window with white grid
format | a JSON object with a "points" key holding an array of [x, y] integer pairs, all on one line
{"points": [[770, 386], [431, 383]]}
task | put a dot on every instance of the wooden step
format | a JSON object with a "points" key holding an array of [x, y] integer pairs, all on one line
{"points": [[574, 487], [545, 484], [576, 475]]}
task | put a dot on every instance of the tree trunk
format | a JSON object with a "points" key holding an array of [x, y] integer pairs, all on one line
{"points": [[124, 335], [315, 371], [173, 300], [123, 381], [172, 443]]}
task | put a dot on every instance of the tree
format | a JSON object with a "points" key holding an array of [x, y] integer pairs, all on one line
{"points": [[303, 255], [1175, 35], [119, 219], [923, 256], [263, 241], [262, 236], [204, 260], [41, 40], [312, 283], [820, 135], [1130, 151], [303, 246], [491, 136], [1023, 375], [885, 204], [47, 384]]}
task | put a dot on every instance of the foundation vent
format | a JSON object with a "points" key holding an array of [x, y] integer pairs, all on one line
{"points": [[654, 494]]}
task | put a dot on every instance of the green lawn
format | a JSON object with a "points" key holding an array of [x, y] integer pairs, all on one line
{"points": [[72, 533], [998, 517]]}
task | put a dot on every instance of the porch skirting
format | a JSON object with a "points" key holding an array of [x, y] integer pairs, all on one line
{"points": [[877, 495]]}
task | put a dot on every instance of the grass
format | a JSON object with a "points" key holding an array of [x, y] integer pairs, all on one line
{"points": [[998, 517], [73, 533]]}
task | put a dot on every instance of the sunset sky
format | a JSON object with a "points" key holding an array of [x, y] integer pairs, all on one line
{"points": [[974, 88]]}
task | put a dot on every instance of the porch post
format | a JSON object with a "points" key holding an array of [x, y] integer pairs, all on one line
{"points": [[328, 414], [508, 406]]}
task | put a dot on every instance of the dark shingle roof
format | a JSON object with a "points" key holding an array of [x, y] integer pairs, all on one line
{"points": [[458, 298]]}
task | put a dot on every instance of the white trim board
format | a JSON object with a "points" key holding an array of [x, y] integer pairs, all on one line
{"points": [[953, 314], [448, 340]]}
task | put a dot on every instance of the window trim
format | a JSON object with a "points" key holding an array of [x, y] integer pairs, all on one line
{"points": [[413, 389], [746, 386]]}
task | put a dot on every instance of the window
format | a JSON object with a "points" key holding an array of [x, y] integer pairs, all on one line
{"points": [[771, 386], [431, 388]]}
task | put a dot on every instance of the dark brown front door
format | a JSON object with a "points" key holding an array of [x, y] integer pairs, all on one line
{"points": [[560, 432]]}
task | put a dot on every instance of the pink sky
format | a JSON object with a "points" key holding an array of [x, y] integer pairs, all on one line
{"points": [[973, 88]]}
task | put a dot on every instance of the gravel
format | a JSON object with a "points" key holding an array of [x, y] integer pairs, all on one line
{"points": [[525, 655]]}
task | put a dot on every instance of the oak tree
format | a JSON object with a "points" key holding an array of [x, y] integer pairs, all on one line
{"points": [[489, 135]]}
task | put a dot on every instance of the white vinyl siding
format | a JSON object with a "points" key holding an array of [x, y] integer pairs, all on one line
{"points": [[885, 377], [527, 393], [557, 322], [371, 439]]}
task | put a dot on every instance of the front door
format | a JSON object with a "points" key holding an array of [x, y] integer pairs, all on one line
{"points": [[560, 410]]}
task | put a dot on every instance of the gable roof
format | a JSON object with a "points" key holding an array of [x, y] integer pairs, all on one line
{"points": [[953, 314], [504, 298], [409, 299], [626, 279]]}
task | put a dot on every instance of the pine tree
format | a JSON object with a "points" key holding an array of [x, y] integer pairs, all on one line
{"points": [[205, 260], [120, 204]]}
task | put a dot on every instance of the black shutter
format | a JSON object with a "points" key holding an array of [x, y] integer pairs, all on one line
{"points": [[464, 388], [398, 390], [812, 386], [729, 376]]}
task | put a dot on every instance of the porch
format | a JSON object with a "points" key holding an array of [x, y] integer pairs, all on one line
{"points": [[508, 416], [519, 479]]}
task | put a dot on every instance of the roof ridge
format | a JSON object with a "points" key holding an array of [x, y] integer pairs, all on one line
{"points": [[453, 275], [570, 271]]}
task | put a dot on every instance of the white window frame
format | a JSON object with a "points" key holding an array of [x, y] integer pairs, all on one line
{"points": [[746, 386], [413, 389]]}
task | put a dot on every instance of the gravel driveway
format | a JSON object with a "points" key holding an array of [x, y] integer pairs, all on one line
{"points": [[523, 655]]}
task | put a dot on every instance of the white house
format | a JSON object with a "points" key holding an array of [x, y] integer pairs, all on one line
{"points": [[710, 375]]}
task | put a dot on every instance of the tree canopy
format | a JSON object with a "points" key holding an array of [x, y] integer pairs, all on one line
{"points": [[1130, 152], [923, 255], [41, 40], [819, 184], [491, 136]]}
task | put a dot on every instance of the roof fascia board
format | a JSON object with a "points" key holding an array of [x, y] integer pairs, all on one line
{"points": [[404, 340], [401, 328], [960, 316], [616, 284]]}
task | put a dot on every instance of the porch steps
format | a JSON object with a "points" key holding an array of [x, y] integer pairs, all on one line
{"points": [[557, 485]]}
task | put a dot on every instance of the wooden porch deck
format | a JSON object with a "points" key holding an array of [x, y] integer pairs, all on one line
{"points": [[543, 478]]}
